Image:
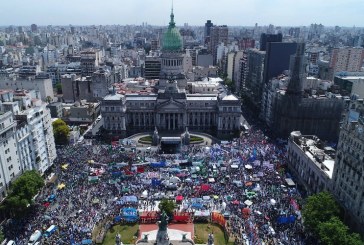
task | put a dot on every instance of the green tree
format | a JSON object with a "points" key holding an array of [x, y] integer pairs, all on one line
{"points": [[319, 208], [167, 206], [335, 232], [22, 192], [59, 88], [230, 84], [61, 132]]}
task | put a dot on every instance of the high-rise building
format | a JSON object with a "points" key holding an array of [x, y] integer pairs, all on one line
{"points": [[89, 62], [27, 139], [207, 30], [346, 59], [152, 67], [34, 28], [348, 179], [254, 82], [246, 43], [267, 38], [9, 160], [42, 149], [154, 44], [218, 34], [278, 55], [101, 82]]}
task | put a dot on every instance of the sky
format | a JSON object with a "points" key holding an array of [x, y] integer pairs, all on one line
{"points": [[194, 12]]}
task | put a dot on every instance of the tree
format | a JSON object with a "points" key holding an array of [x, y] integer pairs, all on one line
{"points": [[61, 132], [167, 206], [48, 99], [230, 84], [22, 192], [59, 88], [335, 232], [319, 208]]}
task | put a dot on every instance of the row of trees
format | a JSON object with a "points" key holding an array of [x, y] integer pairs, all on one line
{"points": [[22, 192], [321, 219]]}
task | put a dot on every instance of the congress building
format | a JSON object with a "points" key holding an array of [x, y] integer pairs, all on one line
{"points": [[172, 107]]}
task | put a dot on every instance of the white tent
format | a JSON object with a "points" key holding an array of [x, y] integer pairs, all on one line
{"points": [[211, 180], [206, 198], [273, 202], [234, 166], [145, 194], [248, 202], [223, 205], [174, 179], [248, 166]]}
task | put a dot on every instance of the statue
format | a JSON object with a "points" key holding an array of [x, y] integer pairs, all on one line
{"points": [[163, 222], [186, 137], [162, 235], [118, 239], [155, 139], [210, 240]]}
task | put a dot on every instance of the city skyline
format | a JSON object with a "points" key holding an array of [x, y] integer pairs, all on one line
{"points": [[195, 13]]}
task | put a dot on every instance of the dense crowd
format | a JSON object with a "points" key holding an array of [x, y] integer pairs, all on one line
{"points": [[246, 180]]}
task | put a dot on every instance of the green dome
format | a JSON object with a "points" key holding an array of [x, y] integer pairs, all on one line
{"points": [[172, 40]]}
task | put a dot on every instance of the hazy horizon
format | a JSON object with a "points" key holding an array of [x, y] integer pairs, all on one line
{"points": [[345, 13]]}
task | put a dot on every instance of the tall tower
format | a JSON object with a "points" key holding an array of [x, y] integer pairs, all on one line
{"points": [[297, 71]]}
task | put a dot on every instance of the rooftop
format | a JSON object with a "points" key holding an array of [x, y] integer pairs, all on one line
{"points": [[314, 149]]}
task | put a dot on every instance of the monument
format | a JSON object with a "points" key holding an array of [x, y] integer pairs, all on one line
{"points": [[186, 137], [155, 138], [162, 235], [118, 239]]}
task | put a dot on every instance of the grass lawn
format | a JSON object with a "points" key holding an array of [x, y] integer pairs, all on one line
{"points": [[127, 233], [202, 232], [146, 138], [195, 138]]}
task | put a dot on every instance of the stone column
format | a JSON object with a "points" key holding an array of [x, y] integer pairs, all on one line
{"points": [[169, 121], [204, 119], [174, 121]]}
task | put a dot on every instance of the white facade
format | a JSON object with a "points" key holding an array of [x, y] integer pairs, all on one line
{"points": [[43, 151], [348, 180], [44, 86], [9, 161], [230, 65], [312, 163], [24, 147]]}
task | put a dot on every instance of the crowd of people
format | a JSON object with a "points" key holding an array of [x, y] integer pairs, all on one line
{"points": [[245, 180]]}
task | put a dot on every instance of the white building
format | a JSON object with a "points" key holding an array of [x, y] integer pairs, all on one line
{"points": [[43, 85], [311, 162], [42, 146], [348, 180], [9, 160]]}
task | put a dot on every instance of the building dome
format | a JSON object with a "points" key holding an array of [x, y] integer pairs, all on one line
{"points": [[172, 40]]}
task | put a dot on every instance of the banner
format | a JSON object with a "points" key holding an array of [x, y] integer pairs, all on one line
{"points": [[218, 218]]}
